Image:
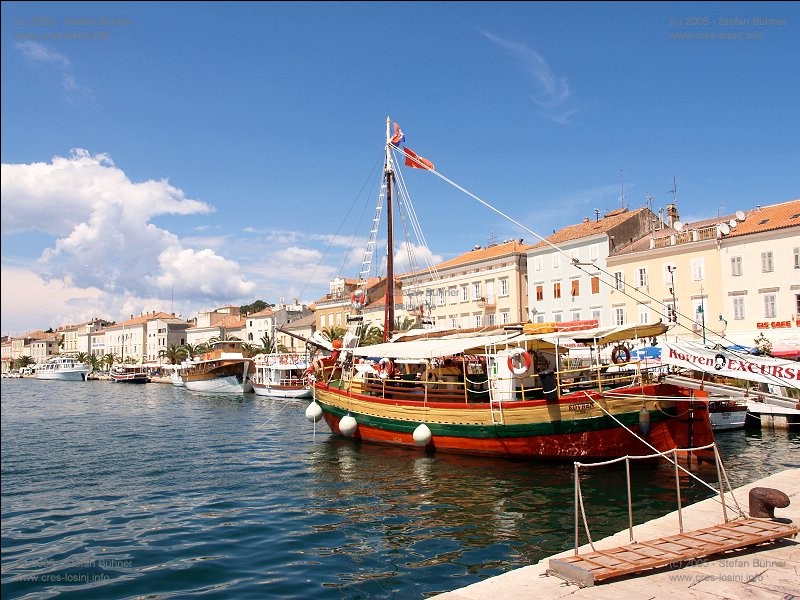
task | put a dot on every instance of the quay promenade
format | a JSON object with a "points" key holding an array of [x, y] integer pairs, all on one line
{"points": [[766, 571]]}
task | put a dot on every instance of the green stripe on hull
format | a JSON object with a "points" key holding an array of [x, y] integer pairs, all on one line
{"points": [[575, 426]]}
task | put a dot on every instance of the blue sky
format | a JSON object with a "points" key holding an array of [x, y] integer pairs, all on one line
{"points": [[185, 156]]}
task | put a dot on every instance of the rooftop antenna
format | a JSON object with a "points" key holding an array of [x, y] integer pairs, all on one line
{"points": [[622, 188], [648, 199], [674, 191]]}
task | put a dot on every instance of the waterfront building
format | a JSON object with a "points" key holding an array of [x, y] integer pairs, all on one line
{"points": [[568, 273], [483, 287], [722, 280]]}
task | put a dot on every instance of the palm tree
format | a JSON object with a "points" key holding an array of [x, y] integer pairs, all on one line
{"points": [[95, 362], [370, 335], [24, 361], [82, 357], [192, 351], [109, 360], [334, 333], [174, 353]]}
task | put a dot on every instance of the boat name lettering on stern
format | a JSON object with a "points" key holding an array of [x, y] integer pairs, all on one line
{"points": [[581, 407]]}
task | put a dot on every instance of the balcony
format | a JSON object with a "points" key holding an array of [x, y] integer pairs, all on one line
{"points": [[485, 301]]}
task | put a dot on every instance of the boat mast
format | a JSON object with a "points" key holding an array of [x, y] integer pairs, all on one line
{"points": [[388, 171]]}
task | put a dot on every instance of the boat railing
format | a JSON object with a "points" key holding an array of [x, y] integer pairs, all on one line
{"points": [[482, 388], [672, 457]]}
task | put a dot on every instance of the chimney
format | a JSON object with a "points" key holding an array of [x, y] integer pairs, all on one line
{"points": [[672, 214]]}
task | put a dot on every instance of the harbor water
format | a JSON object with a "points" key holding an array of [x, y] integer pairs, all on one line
{"points": [[151, 491]]}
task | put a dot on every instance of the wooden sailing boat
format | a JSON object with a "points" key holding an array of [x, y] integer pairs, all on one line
{"points": [[496, 392]]}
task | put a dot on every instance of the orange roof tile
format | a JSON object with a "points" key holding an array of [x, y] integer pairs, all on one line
{"points": [[588, 227], [768, 218]]}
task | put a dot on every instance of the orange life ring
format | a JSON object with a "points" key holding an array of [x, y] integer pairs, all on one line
{"points": [[357, 299], [385, 368], [620, 354], [519, 370]]}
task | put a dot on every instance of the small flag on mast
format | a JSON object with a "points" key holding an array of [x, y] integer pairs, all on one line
{"points": [[417, 162], [398, 137]]}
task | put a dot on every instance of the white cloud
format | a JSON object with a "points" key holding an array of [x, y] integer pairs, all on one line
{"points": [[105, 241], [553, 90], [40, 53]]}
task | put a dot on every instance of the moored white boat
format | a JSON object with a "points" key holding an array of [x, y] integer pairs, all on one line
{"points": [[726, 414], [224, 369], [282, 375], [62, 368]]}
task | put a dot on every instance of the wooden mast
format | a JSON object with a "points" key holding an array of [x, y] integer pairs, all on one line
{"points": [[388, 325]]}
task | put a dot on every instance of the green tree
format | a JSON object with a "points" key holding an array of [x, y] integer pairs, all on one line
{"points": [[334, 333], [95, 362], [174, 353], [763, 345], [192, 350], [109, 360], [370, 335], [23, 361]]}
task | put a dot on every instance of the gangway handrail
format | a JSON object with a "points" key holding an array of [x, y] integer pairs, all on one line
{"points": [[721, 476]]}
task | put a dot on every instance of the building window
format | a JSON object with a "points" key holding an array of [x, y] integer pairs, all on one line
{"points": [[576, 288], [476, 291], [539, 292], [504, 317], [478, 320], [453, 322], [556, 260], [736, 266], [797, 258], [619, 315], [644, 314], [594, 252], [490, 319], [440, 297], [464, 293], [698, 269], [595, 285], [738, 309], [641, 276], [596, 312], [557, 317], [766, 262], [619, 280], [576, 315], [538, 263], [557, 290], [669, 312], [504, 287], [769, 305]]}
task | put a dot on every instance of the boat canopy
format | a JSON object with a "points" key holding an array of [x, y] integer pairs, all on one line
{"points": [[435, 347], [602, 335]]}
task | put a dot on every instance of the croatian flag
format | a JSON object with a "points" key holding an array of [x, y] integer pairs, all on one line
{"points": [[398, 137], [417, 162]]}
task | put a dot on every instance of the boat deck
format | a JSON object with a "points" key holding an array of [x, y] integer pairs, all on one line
{"points": [[596, 567]]}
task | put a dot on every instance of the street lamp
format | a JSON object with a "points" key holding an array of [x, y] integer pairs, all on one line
{"points": [[674, 310], [702, 311]]}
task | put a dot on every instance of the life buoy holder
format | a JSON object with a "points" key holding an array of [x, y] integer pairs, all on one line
{"points": [[385, 368], [620, 354], [513, 362]]}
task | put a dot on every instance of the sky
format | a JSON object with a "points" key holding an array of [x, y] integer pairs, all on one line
{"points": [[182, 157]]}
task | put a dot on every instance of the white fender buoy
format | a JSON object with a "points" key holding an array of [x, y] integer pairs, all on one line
{"points": [[314, 412], [348, 425], [644, 420], [422, 435]]}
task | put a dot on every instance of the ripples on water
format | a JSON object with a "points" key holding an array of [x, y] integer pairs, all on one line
{"points": [[117, 491]]}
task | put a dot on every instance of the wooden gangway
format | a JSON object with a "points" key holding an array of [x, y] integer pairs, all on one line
{"points": [[635, 558]]}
